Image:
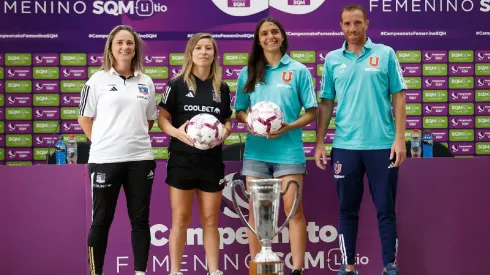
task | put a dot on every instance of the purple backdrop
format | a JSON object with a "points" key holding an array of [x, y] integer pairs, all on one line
{"points": [[441, 208]]}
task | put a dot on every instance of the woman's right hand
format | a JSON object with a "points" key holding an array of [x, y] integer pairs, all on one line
{"points": [[250, 131], [181, 135]]}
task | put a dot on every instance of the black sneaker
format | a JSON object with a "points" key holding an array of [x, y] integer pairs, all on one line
{"points": [[342, 271], [298, 271]]}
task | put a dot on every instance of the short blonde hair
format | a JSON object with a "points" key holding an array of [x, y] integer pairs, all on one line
{"points": [[188, 64], [136, 63]]}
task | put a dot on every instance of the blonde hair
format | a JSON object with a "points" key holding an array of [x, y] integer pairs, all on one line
{"points": [[136, 63], [188, 64]]}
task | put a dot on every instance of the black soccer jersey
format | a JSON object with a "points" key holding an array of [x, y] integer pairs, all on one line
{"points": [[183, 104]]}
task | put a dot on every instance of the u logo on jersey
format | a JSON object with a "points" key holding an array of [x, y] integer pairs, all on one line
{"points": [[337, 167], [287, 76], [374, 61]]}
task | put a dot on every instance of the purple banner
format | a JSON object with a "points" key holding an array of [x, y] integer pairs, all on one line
{"points": [[46, 86], [70, 100], [2, 113], [461, 95], [309, 149], [311, 126], [435, 83], [238, 127], [46, 113], [73, 73], [18, 154], [231, 72], [413, 122], [160, 85], [482, 56], [18, 127], [44, 140], [482, 135], [435, 109], [71, 127], [458, 122], [462, 148], [440, 135], [159, 139], [18, 73], [411, 69], [156, 60], [1, 59], [95, 59], [461, 69], [482, 108], [18, 100], [2, 87], [482, 82], [413, 96], [435, 56], [46, 59], [329, 136], [2, 141]]}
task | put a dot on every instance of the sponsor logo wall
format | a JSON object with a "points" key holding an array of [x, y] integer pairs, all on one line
{"points": [[44, 63]]}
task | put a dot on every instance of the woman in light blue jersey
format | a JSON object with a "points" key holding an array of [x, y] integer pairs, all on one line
{"points": [[271, 75]]}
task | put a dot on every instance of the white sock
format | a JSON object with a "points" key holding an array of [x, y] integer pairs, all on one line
{"points": [[140, 273]]}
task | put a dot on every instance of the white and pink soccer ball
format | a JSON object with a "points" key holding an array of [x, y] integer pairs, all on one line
{"points": [[205, 130], [264, 118]]}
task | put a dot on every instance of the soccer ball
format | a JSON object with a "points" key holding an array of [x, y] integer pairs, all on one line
{"points": [[205, 131], [264, 118]]}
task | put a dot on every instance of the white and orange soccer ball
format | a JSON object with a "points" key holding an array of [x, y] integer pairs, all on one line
{"points": [[265, 117], [205, 131]]}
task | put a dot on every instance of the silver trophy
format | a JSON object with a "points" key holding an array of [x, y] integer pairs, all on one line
{"points": [[265, 196]]}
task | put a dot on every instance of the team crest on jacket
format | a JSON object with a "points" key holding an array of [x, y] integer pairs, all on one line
{"points": [[143, 89], [287, 76], [374, 61]]}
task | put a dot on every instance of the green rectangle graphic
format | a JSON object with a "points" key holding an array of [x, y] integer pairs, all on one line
{"points": [[435, 95], [72, 86], [18, 140], [435, 122], [157, 72], [73, 59], [45, 126], [46, 100], [461, 135], [480, 96], [235, 58], [456, 109], [461, 56], [413, 83], [46, 73], [461, 82], [176, 59], [409, 56], [69, 113], [2, 74], [414, 109], [18, 86], [482, 69], [18, 59], [435, 69], [18, 113], [304, 56]]}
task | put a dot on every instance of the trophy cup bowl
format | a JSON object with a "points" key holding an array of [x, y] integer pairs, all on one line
{"points": [[265, 197]]}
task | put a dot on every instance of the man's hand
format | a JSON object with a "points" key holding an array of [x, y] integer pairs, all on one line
{"points": [[399, 148]]}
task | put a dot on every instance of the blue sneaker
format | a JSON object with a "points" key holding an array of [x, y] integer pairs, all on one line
{"points": [[343, 272], [390, 269]]}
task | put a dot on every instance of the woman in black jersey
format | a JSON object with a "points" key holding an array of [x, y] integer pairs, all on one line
{"points": [[197, 89]]}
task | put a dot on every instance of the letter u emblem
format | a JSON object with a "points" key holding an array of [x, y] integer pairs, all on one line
{"points": [[287, 76], [374, 61]]}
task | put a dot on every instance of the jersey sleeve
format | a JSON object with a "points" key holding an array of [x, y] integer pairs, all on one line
{"points": [[226, 95], [306, 89], [169, 98], [151, 110], [88, 100], [395, 74], [242, 100], [328, 87]]}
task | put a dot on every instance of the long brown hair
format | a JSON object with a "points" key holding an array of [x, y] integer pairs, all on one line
{"points": [[256, 60], [188, 64], [136, 62]]}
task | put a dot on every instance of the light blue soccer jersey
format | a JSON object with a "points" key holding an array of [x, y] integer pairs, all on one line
{"points": [[289, 85], [363, 86]]}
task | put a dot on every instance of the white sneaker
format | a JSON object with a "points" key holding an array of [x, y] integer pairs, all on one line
{"points": [[217, 272], [176, 273]]}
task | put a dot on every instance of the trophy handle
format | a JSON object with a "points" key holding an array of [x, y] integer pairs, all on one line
{"points": [[235, 204], [295, 203]]}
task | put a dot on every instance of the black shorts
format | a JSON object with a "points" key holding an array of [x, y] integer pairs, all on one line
{"points": [[188, 171]]}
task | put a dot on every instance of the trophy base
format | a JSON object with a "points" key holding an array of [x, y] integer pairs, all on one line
{"points": [[267, 268]]}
